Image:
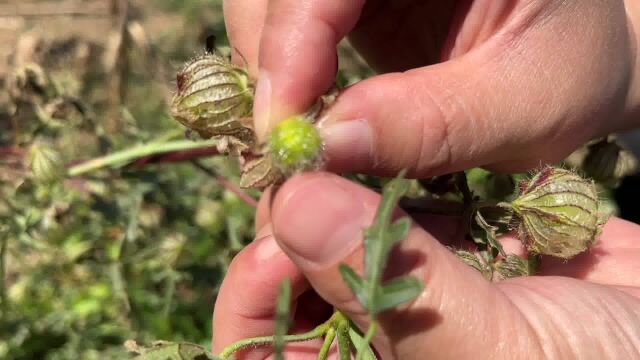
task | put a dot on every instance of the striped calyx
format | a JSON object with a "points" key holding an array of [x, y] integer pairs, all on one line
{"points": [[46, 163], [213, 97], [557, 213]]}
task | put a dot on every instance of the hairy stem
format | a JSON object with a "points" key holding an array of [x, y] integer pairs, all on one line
{"points": [[326, 345], [319, 331], [226, 184], [344, 343], [126, 156]]}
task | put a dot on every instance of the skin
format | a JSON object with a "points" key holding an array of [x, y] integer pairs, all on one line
{"points": [[500, 84]]}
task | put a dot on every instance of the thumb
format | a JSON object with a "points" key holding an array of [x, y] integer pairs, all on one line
{"points": [[298, 55], [484, 108], [319, 219]]}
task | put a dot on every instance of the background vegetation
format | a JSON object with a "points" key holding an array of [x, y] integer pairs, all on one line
{"points": [[133, 250]]}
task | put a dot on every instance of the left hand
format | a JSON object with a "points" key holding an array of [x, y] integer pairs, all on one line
{"points": [[586, 308]]}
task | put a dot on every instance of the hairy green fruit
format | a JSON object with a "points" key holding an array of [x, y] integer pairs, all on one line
{"points": [[557, 213], [295, 145]]}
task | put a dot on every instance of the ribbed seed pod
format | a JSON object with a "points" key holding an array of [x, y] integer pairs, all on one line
{"points": [[557, 212], [213, 95], [46, 163]]}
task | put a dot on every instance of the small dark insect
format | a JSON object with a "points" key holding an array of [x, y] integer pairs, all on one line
{"points": [[210, 44]]}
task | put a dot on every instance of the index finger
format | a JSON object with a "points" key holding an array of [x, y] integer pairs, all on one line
{"points": [[245, 305], [244, 20], [298, 56]]}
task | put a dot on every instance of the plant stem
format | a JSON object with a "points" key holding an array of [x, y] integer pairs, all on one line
{"points": [[432, 206], [373, 326], [344, 343], [326, 346], [126, 156], [463, 186], [319, 331], [226, 184], [4, 239]]}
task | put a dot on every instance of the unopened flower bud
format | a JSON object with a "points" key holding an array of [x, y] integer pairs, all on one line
{"points": [[608, 162], [557, 213], [295, 145], [213, 94]]}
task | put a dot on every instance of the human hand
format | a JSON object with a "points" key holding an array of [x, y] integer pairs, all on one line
{"points": [[501, 84], [586, 308]]}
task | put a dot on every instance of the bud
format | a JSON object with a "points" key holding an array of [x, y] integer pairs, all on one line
{"points": [[260, 172], [557, 213], [608, 162], [295, 145], [46, 163], [213, 95]]}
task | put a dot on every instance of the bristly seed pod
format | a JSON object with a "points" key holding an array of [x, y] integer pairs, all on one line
{"points": [[213, 96], [295, 145], [557, 213]]}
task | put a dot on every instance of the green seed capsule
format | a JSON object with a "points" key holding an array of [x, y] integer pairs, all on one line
{"points": [[295, 145], [46, 163], [213, 95], [558, 213]]}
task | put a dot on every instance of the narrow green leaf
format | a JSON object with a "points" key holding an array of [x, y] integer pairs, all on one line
{"points": [[355, 283], [282, 319], [358, 342], [398, 291], [381, 236], [399, 229]]}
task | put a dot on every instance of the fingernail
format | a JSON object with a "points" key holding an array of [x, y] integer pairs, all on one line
{"points": [[267, 249], [262, 105], [348, 141], [319, 222]]}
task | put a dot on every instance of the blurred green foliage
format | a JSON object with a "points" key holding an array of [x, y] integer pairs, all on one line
{"points": [[133, 253], [126, 252]]}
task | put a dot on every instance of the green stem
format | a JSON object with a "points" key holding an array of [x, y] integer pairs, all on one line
{"points": [[267, 340], [134, 153], [344, 343], [4, 240], [326, 346], [367, 339]]}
